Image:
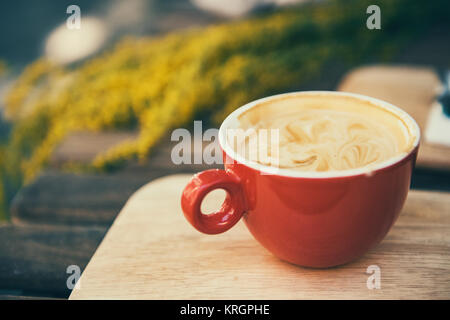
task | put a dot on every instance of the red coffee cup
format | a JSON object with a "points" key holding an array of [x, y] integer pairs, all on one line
{"points": [[314, 219]]}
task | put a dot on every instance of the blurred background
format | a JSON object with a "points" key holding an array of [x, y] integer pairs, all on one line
{"points": [[86, 113]]}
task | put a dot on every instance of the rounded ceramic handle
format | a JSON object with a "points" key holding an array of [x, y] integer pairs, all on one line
{"points": [[229, 213]]}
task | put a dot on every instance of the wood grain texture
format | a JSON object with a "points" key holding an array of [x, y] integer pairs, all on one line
{"points": [[411, 88], [151, 252]]}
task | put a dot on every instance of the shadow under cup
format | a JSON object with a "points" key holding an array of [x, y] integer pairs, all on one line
{"points": [[314, 219]]}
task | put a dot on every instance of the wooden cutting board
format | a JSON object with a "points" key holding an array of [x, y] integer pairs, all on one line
{"points": [[411, 88], [151, 252]]}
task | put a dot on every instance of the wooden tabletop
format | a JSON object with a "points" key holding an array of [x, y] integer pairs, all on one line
{"points": [[151, 252], [411, 88]]}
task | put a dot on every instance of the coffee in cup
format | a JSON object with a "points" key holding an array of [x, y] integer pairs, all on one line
{"points": [[316, 133]]}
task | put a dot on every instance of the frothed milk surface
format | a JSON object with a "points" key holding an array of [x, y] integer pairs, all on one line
{"points": [[321, 133]]}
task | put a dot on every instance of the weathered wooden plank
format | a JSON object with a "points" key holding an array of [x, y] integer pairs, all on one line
{"points": [[35, 258], [64, 198]]}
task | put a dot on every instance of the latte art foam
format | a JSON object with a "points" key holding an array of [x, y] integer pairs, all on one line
{"points": [[319, 136]]}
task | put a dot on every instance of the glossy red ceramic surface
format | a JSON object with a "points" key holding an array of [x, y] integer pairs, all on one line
{"points": [[314, 222]]}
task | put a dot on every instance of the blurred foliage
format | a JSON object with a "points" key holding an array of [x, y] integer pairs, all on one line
{"points": [[157, 84]]}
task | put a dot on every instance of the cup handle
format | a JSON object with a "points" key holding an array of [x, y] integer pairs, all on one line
{"points": [[229, 213]]}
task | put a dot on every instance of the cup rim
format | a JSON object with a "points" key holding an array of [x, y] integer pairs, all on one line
{"points": [[232, 119]]}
